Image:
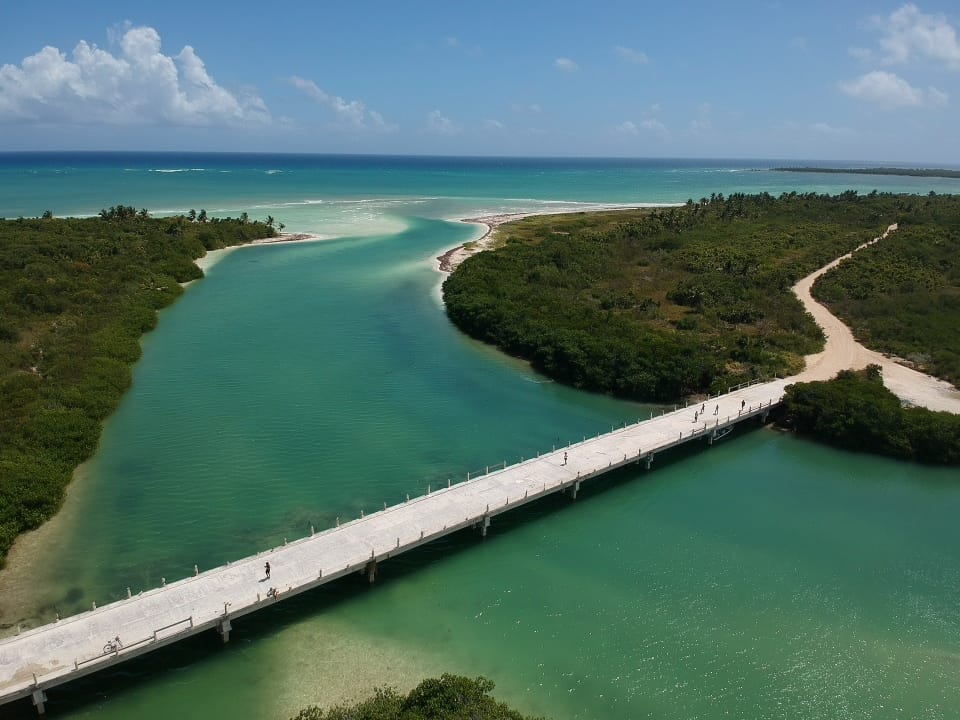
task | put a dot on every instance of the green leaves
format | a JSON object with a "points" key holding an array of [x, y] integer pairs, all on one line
{"points": [[902, 295], [75, 297], [656, 304], [856, 412], [449, 697]]}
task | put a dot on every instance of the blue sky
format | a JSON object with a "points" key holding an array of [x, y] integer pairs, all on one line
{"points": [[841, 80]]}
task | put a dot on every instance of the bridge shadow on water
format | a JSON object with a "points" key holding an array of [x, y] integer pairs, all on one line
{"points": [[86, 693]]}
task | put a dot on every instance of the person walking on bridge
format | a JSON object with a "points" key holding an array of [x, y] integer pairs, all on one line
{"points": [[266, 569]]}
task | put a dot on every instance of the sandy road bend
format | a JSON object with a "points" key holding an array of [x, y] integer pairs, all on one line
{"points": [[843, 352]]}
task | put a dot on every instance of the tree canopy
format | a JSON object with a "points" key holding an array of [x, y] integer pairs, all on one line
{"points": [[856, 412], [76, 294], [449, 697], [655, 305]]}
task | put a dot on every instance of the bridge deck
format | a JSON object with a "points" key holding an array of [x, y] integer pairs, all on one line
{"points": [[69, 648]]}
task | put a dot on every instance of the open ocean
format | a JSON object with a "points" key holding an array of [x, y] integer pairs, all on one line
{"points": [[764, 578]]}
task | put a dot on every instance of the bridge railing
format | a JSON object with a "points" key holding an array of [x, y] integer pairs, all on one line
{"points": [[504, 465]]}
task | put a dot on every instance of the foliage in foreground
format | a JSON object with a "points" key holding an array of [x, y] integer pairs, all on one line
{"points": [[856, 412], [671, 302], [75, 297], [451, 697]]}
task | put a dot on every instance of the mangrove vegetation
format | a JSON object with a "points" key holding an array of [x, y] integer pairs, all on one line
{"points": [[902, 296], [903, 172], [659, 304], [856, 412], [449, 697], [76, 294]]}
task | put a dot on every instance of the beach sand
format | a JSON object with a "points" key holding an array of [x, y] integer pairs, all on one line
{"points": [[214, 256], [843, 352], [451, 259]]}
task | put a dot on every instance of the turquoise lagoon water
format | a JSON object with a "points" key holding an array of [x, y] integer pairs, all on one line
{"points": [[766, 578]]}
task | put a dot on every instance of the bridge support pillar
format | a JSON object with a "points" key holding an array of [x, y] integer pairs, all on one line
{"points": [[649, 460], [371, 571], [484, 525], [573, 489], [224, 628], [39, 697], [763, 417]]}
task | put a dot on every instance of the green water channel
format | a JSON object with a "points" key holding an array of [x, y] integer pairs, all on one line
{"points": [[766, 577]]}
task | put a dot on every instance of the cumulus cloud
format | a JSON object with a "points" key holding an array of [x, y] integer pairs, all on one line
{"points": [[702, 123], [630, 55], [140, 85], [937, 97], [655, 125], [884, 88], [629, 127], [438, 123], [909, 34], [350, 113], [565, 64]]}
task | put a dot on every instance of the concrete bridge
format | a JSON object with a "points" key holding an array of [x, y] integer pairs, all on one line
{"points": [[36, 660]]}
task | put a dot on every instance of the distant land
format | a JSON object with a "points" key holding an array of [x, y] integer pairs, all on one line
{"points": [[914, 172]]}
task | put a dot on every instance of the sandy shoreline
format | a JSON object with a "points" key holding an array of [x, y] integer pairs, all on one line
{"points": [[451, 259], [212, 257], [841, 350]]}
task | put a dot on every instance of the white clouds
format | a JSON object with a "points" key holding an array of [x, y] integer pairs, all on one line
{"points": [[628, 127], [565, 64], [702, 124], [907, 36], [139, 86], [910, 34], [891, 91], [352, 113], [937, 97], [439, 124], [629, 55]]}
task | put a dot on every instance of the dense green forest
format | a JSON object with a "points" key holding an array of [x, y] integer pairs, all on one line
{"points": [[450, 697], [655, 305], [902, 295], [75, 297], [856, 412], [909, 172]]}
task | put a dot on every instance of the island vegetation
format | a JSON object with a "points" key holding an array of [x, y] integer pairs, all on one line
{"points": [[76, 294], [661, 304], [907, 172], [856, 412], [902, 296], [450, 697]]}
